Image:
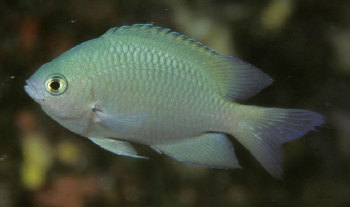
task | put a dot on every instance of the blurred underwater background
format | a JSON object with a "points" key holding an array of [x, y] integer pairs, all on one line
{"points": [[304, 45]]}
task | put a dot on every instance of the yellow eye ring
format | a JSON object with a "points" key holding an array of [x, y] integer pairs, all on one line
{"points": [[56, 84]]}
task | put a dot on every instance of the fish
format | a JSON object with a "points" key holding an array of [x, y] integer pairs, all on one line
{"points": [[149, 85]]}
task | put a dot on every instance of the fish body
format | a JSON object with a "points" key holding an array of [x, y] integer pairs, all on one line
{"points": [[148, 85]]}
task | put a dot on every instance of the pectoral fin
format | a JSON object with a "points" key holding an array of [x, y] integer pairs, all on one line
{"points": [[123, 124], [116, 146], [208, 150]]}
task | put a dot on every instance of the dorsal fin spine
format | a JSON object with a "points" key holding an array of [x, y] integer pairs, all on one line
{"points": [[167, 32]]}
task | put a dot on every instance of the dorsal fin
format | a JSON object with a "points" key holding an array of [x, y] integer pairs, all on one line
{"points": [[148, 29], [236, 79], [239, 80]]}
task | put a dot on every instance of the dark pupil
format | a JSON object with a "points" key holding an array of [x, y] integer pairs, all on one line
{"points": [[55, 85]]}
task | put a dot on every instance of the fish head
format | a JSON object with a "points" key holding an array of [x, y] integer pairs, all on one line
{"points": [[58, 89]]}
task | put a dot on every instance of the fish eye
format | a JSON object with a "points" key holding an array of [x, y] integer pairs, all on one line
{"points": [[56, 84]]}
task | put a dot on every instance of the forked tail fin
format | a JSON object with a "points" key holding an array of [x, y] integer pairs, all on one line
{"points": [[263, 130]]}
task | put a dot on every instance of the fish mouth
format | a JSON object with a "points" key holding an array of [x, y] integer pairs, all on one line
{"points": [[31, 91]]}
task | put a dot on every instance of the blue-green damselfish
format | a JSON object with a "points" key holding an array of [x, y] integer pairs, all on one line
{"points": [[149, 85]]}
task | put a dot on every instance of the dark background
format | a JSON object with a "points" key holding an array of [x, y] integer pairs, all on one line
{"points": [[304, 45]]}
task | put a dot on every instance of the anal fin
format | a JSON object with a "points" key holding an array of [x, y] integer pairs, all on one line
{"points": [[208, 150], [116, 146]]}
